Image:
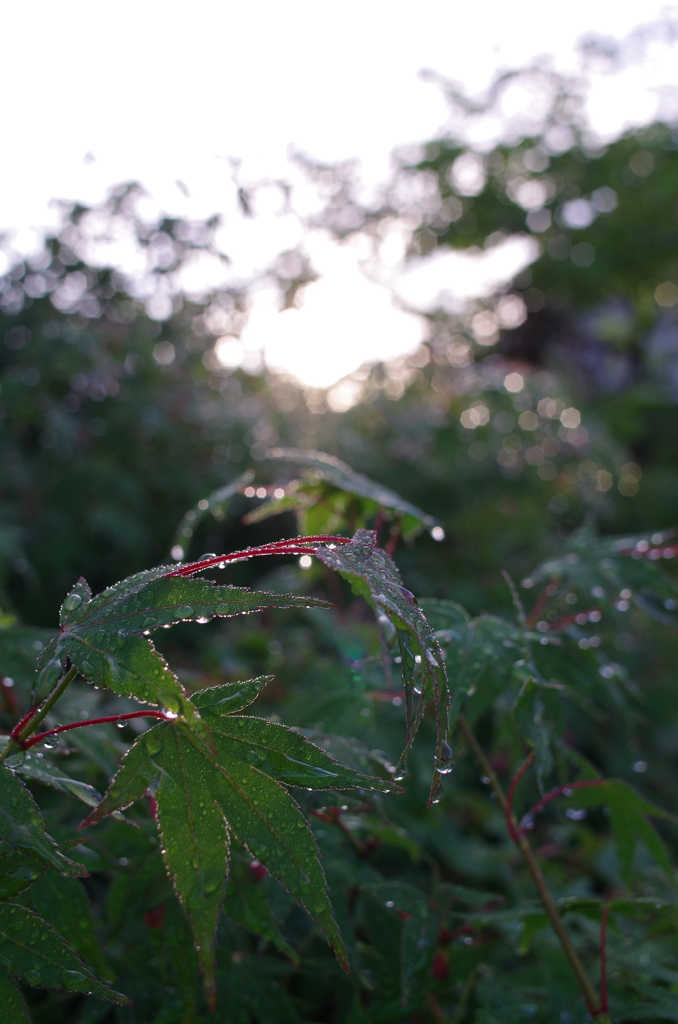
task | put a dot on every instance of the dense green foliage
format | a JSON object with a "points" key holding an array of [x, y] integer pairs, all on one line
{"points": [[226, 844]]}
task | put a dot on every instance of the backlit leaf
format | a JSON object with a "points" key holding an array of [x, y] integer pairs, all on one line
{"points": [[333, 471], [374, 576]]}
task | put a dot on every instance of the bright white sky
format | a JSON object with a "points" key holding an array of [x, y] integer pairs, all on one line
{"points": [[166, 91]]}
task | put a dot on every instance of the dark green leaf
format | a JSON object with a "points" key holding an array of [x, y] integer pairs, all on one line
{"points": [[252, 995], [106, 637], [479, 653], [373, 575], [63, 903], [22, 827], [42, 770], [629, 812], [14, 1009], [18, 870], [33, 952], [246, 903], [230, 697], [417, 949]]}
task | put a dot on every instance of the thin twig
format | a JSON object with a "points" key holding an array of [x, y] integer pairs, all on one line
{"points": [[464, 997], [510, 818], [603, 960], [436, 1009], [585, 984]]}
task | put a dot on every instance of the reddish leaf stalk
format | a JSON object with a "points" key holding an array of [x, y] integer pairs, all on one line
{"points": [[510, 820], [332, 815], [293, 546], [94, 721], [22, 723], [393, 538], [568, 620], [540, 604], [658, 551], [553, 793]]}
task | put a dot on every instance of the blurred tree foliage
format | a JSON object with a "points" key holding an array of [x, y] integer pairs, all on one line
{"points": [[597, 303]]}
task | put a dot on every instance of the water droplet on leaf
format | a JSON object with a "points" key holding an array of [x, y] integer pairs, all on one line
{"points": [[72, 978]]}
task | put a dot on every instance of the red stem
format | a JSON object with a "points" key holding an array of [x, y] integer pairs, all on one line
{"points": [[604, 1007], [513, 832], [293, 546], [567, 620], [393, 538], [540, 604], [24, 721], [665, 551], [93, 721], [558, 791]]}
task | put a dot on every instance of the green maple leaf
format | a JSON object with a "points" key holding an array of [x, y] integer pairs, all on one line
{"points": [[106, 637], [374, 576], [238, 786]]}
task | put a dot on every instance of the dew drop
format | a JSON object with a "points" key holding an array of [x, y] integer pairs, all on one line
{"points": [[153, 740], [86, 668], [33, 977], [150, 622], [184, 611], [72, 602], [72, 978]]}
